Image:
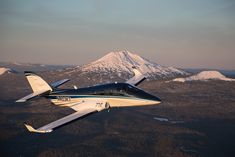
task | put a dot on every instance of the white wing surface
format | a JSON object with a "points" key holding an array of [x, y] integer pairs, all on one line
{"points": [[83, 109]]}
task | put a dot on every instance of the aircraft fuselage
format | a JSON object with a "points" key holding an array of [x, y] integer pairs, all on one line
{"points": [[116, 94]]}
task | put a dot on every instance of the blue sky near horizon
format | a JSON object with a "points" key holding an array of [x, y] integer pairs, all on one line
{"points": [[183, 33]]}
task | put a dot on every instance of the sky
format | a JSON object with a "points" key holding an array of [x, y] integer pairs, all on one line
{"points": [[182, 33]]}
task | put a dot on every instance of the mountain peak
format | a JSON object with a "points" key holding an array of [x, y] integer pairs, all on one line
{"points": [[117, 58], [123, 61], [204, 76]]}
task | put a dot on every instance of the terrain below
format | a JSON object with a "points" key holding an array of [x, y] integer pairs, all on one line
{"points": [[194, 119]]}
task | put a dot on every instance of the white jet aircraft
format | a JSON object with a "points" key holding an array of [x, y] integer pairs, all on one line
{"points": [[86, 101]]}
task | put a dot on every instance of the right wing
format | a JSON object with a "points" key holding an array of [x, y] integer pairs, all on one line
{"points": [[83, 108]]}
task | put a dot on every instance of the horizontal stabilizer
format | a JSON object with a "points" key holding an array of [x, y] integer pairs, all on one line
{"points": [[137, 79], [33, 95], [59, 83]]}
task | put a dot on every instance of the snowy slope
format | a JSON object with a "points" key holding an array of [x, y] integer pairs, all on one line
{"points": [[204, 76], [123, 61], [5, 70]]}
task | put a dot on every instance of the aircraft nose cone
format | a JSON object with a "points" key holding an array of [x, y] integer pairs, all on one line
{"points": [[157, 100], [153, 102], [154, 98]]}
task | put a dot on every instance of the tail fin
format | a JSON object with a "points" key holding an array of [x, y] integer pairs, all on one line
{"points": [[38, 85]]}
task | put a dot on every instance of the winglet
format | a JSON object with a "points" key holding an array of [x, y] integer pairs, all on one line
{"points": [[31, 129], [137, 79]]}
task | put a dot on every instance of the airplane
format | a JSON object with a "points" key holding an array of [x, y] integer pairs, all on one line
{"points": [[87, 100]]}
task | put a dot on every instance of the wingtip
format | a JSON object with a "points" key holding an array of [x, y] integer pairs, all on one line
{"points": [[31, 129], [20, 100]]}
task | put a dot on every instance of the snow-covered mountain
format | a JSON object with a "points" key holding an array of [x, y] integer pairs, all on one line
{"points": [[5, 70], [123, 61], [204, 76]]}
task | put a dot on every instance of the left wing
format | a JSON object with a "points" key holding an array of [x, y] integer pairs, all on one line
{"points": [[83, 109]]}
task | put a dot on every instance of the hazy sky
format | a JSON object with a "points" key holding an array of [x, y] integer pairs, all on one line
{"points": [[181, 33]]}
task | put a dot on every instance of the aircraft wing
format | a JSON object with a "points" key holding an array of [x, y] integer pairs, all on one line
{"points": [[49, 127], [82, 109], [137, 79]]}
